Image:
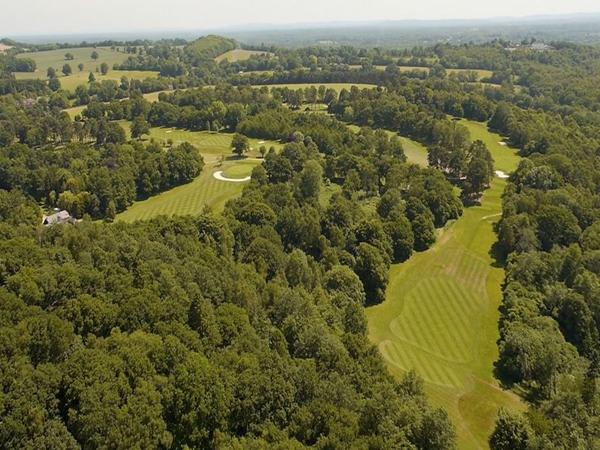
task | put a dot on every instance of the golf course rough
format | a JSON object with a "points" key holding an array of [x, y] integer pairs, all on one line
{"points": [[440, 316]]}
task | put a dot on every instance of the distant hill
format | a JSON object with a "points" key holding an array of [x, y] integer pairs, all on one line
{"points": [[209, 47]]}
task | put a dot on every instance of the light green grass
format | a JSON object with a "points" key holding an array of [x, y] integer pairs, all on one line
{"points": [[56, 59], [205, 190], [207, 143], [440, 316], [241, 169], [505, 158], [188, 199], [238, 55], [415, 151], [71, 82]]}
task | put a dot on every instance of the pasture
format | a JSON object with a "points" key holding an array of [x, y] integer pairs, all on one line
{"points": [[56, 59], [238, 55], [205, 190], [440, 316]]}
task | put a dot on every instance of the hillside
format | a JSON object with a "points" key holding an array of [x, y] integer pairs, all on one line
{"points": [[209, 47]]}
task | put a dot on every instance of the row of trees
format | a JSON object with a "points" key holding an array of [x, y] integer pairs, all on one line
{"points": [[97, 181]]}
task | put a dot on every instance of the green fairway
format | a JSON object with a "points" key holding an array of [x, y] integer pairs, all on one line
{"points": [[415, 151], [56, 59], [205, 190], [441, 312]]}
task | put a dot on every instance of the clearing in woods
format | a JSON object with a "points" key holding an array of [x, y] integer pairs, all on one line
{"points": [[56, 59], [205, 190], [440, 316]]}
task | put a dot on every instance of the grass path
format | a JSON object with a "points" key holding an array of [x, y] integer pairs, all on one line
{"points": [[441, 312]]}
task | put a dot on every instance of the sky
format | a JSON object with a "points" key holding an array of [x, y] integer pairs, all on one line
{"points": [[30, 17]]}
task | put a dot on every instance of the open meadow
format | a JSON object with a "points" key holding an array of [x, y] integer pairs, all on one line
{"points": [[56, 59], [440, 315]]}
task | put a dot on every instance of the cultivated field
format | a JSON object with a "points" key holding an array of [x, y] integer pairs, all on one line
{"points": [[205, 190], [56, 59], [238, 55], [440, 316]]}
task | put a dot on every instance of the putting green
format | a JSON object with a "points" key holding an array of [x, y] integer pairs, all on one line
{"points": [[440, 316]]}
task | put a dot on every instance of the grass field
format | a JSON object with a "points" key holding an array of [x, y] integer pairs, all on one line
{"points": [[56, 59], [441, 312], [238, 55], [205, 190]]}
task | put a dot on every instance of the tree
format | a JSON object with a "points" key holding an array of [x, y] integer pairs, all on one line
{"points": [[263, 151], [95, 55], [511, 433], [69, 56], [54, 84], [371, 268], [103, 68], [240, 144], [66, 70], [557, 225], [51, 72], [309, 181], [139, 127], [91, 77], [424, 231], [80, 66]]}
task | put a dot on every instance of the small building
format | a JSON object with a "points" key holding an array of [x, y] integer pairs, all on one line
{"points": [[58, 217]]}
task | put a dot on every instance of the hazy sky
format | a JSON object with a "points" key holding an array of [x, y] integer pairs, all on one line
{"points": [[80, 16]]}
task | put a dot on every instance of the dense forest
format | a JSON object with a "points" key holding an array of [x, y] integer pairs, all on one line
{"points": [[247, 329]]}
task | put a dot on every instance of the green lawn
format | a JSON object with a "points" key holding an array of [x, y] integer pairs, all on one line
{"points": [[441, 312], [205, 190], [241, 169], [56, 59]]}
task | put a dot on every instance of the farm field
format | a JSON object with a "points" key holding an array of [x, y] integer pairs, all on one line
{"points": [[441, 312], [56, 59], [238, 55], [205, 190]]}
